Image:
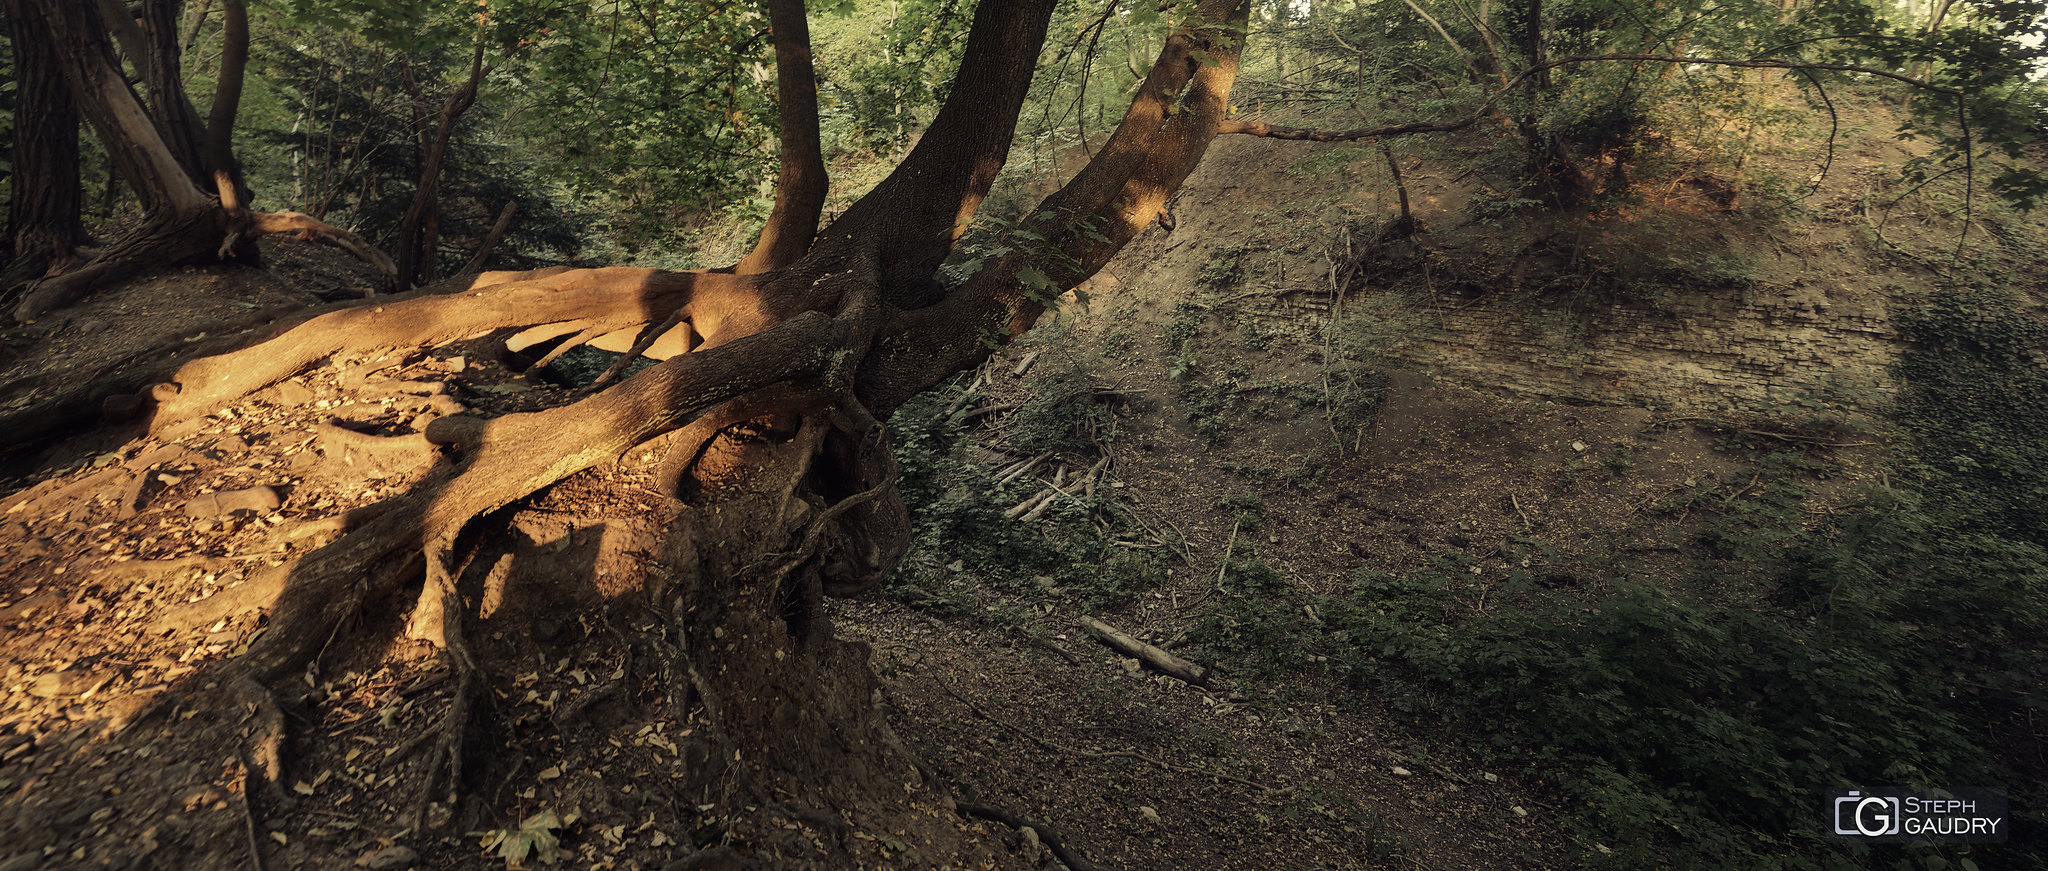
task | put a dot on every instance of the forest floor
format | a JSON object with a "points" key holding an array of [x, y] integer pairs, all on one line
{"points": [[1223, 424]]}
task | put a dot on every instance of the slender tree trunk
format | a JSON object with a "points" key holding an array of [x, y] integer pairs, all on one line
{"points": [[412, 231], [801, 183], [43, 220], [193, 26], [1459, 50], [162, 71], [227, 97], [1533, 35]]}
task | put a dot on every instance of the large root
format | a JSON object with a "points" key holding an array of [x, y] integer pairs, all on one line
{"points": [[594, 301], [509, 458]]}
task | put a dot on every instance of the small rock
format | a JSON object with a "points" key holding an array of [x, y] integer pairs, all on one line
{"points": [[1149, 814], [232, 444], [1579, 446], [292, 394], [395, 856], [1490, 777], [1402, 772], [1519, 811], [446, 406], [70, 682], [260, 499], [957, 566]]}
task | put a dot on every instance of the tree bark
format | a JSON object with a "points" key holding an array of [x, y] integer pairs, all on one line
{"points": [[227, 97], [163, 78], [912, 218], [136, 145], [43, 220], [801, 183]]}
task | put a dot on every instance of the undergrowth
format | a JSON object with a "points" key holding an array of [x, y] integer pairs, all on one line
{"points": [[1903, 642], [966, 556]]}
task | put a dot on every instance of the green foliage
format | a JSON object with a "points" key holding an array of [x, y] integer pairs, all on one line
{"points": [[349, 112], [1061, 415], [884, 67], [1224, 269], [660, 108], [964, 550]]}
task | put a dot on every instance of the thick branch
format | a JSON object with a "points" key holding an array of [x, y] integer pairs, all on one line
{"points": [[912, 218], [1160, 140], [801, 184]]}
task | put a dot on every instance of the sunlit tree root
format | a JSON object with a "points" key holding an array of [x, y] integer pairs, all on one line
{"points": [[509, 458], [598, 301]]}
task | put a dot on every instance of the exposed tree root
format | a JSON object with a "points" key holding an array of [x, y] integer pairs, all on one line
{"points": [[511, 457], [597, 301], [444, 760], [1047, 835], [223, 231], [308, 228]]}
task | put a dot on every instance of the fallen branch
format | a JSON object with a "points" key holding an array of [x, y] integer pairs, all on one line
{"points": [[1046, 834], [1154, 658]]}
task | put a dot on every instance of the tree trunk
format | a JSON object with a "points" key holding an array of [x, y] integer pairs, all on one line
{"points": [[163, 78], [801, 183], [412, 231], [911, 219], [227, 97], [43, 220]]}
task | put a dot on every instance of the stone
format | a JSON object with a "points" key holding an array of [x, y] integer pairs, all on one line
{"points": [[260, 499], [395, 856], [69, 682]]}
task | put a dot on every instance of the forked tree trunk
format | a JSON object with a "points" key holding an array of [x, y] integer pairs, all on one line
{"points": [[43, 220]]}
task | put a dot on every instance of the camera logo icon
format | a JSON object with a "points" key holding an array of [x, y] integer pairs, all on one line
{"points": [[1872, 816]]}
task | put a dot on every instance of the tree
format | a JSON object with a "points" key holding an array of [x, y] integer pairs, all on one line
{"points": [[43, 212], [194, 203], [777, 486]]}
